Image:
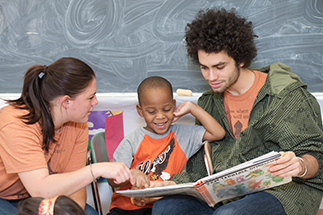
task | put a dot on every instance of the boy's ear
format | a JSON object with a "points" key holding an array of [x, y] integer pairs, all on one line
{"points": [[139, 110], [174, 102]]}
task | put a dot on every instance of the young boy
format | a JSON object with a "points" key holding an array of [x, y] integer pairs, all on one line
{"points": [[160, 149]]}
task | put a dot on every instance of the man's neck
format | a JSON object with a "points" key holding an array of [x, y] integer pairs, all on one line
{"points": [[244, 82]]}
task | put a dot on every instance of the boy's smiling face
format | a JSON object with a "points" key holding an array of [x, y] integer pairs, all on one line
{"points": [[157, 107]]}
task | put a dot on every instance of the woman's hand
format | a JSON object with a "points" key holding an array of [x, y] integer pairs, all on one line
{"points": [[117, 171]]}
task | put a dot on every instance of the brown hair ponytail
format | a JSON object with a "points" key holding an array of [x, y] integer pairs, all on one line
{"points": [[43, 84]]}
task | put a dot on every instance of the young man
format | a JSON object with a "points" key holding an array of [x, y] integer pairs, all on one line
{"points": [[160, 149], [261, 110]]}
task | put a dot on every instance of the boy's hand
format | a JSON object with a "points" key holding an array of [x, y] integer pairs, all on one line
{"points": [[140, 180], [161, 183], [183, 109], [140, 202], [143, 201]]}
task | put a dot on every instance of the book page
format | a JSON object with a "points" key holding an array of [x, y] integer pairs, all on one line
{"points": [[265, 157], [243, 182]]}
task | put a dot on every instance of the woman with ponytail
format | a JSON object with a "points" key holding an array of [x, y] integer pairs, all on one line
{"points": [[44, 137]]}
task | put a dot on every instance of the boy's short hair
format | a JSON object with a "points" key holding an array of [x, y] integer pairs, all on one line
{"points": [[216, 30], [154, 82]]}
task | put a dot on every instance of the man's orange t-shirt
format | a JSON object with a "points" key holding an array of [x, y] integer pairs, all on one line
{"points": [[237, 108]]}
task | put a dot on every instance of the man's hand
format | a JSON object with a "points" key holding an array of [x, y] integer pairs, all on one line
{"points": [[288, 165]]}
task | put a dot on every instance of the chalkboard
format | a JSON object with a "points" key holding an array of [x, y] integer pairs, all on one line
{"points": [[125, 41]]}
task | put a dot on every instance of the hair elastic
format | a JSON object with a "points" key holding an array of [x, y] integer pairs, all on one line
{"points": [[41, 74], [46, 206]]}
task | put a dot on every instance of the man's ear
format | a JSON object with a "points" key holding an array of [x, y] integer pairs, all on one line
{"points": [[241, 64], [139, 110], [65, 101]]}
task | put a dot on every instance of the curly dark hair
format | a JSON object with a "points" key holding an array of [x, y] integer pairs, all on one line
{"points": [[216, 30]]}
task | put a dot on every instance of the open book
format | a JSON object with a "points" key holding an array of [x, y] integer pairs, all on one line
{"points": [[249, 177]]}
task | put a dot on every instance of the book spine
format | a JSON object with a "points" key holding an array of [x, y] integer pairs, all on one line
{"points": [[203, 191]]}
